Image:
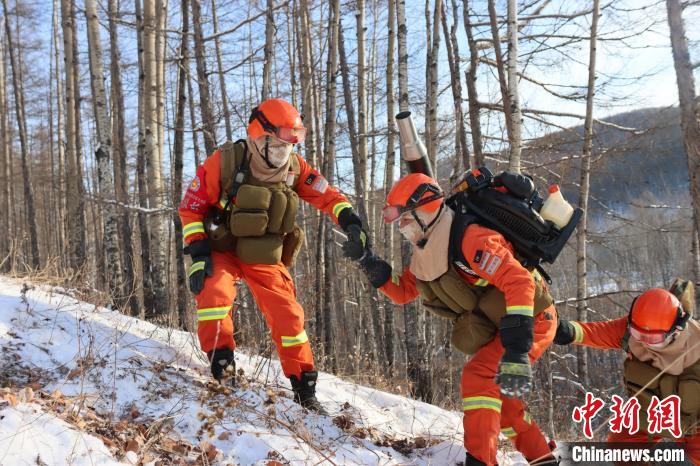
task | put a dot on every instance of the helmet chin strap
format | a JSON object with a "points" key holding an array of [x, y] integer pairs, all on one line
{"points": [[423, 241], [266, 156]]}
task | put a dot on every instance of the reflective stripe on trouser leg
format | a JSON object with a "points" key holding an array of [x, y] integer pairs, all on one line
{"points": [[518, 426], [294, 340], [212, 313], [481, 402], [214, 323]]}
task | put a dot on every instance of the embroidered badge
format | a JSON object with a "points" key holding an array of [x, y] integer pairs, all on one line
{"points": [[477, 257], [194, 186], [493, 265], [321, 185], [310, 179]]}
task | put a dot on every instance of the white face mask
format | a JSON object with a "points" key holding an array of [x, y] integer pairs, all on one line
{"points": [[412, 231], [277, 152]]}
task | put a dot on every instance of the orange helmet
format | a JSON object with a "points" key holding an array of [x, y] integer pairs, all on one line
{"points": [[412, 192], [279, 118], [655, 315]]}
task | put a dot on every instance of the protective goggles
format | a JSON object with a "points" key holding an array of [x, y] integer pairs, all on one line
{"points": [[650, 337], [391, 213], [286, 134]]}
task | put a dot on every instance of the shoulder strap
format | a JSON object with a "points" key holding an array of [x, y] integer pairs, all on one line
{"points": [[234, 160], [625, 342], [460, 224]]}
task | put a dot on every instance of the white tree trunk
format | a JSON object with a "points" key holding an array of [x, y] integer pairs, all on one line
{"points": [[513, 95], [103, 152], [158, 240], [582, 231], [269, 50], [690, 119], [4, 140], [15, 64]]}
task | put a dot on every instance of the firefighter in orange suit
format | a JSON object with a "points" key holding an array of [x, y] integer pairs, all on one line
{"points": [[663, 358], [499, 373], [238, 219]]}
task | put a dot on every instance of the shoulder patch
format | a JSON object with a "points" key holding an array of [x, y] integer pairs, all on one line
{"points": [[196, 184], [493, 265], [477, 256], [321, 185], [310, 179]]}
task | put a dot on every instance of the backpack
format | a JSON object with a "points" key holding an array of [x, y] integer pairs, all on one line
{"points": [[509, 204]]}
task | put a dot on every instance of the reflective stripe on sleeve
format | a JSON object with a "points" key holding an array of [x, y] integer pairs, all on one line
{"points": [[192, 228], [509, 432], [481, 282], [339, 207], [578, 332], [196, 267], [481, 402], [212, 313], [295, 340]]}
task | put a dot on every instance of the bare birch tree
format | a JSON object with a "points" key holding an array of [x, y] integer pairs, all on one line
{"points": [[582, 232], [474, 116], [389, 332], [121, 173], [4, 138], [431, 79], [208, 124], [178, 150], [513, 103], [461, 159], [329, 171], [103, 152], [14, 52], [690, 117], [269, 50], [414, 337], [157, 265], [220, 69]]}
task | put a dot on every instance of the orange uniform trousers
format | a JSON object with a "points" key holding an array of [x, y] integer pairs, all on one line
{"points": [[690, 443], [488, 413], [274, 292]]}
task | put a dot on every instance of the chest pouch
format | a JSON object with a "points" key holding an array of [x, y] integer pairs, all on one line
{"points": [[249, 216], [265, 249]]}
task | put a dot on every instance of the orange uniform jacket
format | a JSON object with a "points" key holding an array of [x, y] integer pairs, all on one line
{"points": [[490, 256], [607, 334], [205, 191]]}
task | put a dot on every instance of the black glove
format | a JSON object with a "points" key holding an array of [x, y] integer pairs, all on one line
{"points": [[378, 271], [514, 374], [202, 265], [222, 363], [566, 333], [357, 244], [514, 371]]}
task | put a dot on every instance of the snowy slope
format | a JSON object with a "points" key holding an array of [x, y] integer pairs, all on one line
{"points": [[112, 389]]}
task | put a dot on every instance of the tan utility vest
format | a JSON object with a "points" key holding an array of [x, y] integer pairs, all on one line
{"points": [[260, 223], [686, 386], [475, 311]]}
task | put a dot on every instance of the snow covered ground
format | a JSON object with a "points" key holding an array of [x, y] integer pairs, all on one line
{"points": [[90, 386]]}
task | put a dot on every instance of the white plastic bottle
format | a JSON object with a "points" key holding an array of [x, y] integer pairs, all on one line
{"points": [[556, 209]]}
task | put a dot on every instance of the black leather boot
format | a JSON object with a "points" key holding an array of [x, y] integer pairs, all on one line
{"points": [[305, 391], [223, 366]]}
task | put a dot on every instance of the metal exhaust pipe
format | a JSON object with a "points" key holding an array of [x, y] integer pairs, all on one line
{"points": [[413, 150]]}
